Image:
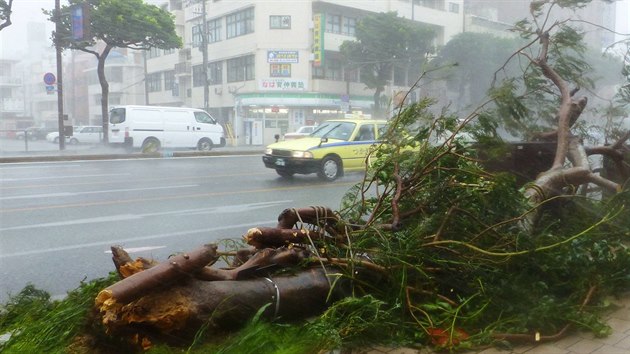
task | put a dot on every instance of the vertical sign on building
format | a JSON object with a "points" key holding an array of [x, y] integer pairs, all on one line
{"points": [[318, 39], [80, 21]]}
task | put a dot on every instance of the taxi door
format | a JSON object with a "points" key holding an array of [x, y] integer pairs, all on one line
{"points": [[360, 144]]}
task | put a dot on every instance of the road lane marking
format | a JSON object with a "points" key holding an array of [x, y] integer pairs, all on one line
{"points": [[53, 195], [62, 177], [174, 197], [139, 249], [38, 167], [48, 185], [122, 217], [126, 217], [135, 239]]}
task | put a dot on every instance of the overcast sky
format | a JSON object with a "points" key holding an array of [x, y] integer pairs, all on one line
{"points": [[13, 38]]}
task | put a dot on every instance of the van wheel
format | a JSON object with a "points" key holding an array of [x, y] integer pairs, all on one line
{"points": [[150, 145], [330, 169], [204, 144]]}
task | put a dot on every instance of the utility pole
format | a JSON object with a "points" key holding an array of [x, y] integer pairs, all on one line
{"points": [[204, 52], [62, 133]]}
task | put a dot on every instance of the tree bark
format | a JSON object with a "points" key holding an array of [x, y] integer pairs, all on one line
{"points": [[164, 274], [316, 215], [263, 237], [180, 310]]}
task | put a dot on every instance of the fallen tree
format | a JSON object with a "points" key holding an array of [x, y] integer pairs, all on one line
{"points": [[431, 248]]}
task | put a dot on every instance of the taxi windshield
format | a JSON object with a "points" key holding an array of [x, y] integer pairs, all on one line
{"points": [[334, 130]]}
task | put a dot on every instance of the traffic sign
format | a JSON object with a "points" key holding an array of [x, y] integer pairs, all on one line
{"points": [[49, 78]]}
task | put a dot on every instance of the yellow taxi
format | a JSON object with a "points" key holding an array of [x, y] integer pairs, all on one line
{"points": [[335, 146]]}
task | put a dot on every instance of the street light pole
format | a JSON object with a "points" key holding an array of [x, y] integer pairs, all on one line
{"points": [[62, 134], [204, 52]]}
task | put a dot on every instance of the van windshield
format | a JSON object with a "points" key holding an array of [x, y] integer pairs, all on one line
{"points": [[203, 117], [117, 115]]}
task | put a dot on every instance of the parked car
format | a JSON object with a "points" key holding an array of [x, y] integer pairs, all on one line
{"points": [[34, 133], [334, 147], [300, 133], [85, 134]]}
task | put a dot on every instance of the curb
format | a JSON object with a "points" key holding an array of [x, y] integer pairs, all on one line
{"points": [[129, 156]]}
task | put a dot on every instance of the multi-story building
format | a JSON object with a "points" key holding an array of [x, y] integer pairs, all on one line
{"points": [[11, 98], [124, 71], [273, 66]]}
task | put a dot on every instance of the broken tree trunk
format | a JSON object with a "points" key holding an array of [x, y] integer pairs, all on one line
{"points": [[316, 215], [179, 311], [166, 273], [259, 264], [262, 237]]}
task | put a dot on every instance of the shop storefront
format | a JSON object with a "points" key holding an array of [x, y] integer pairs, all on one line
{"points": [[260, 117]]}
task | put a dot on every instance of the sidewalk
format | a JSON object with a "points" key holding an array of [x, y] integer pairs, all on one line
{"points": [[99, 152], [575, 343]]}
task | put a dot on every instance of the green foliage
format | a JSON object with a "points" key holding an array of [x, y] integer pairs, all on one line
{"points": [[39, 325], [458, 259], [5, 11], [527, 104], [122, 24], [385, 41]]}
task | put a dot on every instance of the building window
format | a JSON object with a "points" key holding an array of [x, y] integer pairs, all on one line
{"points": [[351, 75], [196, 35], [433, 4], [215, 73], [197, 75], [333, 23], [154, 82], [332, 69], [169, 80], [153, 52], [279, 22], [240, 69], [318, 72], [453, 7], [240, 23], [214, 30], [349, 26]]}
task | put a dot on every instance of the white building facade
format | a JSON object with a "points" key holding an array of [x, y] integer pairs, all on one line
{"points": [[274, 65]]}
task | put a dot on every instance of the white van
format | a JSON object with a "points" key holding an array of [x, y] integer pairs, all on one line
{"points": [[152, 128]]}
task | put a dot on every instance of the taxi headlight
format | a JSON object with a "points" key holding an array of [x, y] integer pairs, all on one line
{"points": [[302, 154], [268, 151]]}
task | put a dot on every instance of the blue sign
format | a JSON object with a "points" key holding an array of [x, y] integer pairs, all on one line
{"points": [[282, 56], [78, 22], [49, 78]]}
